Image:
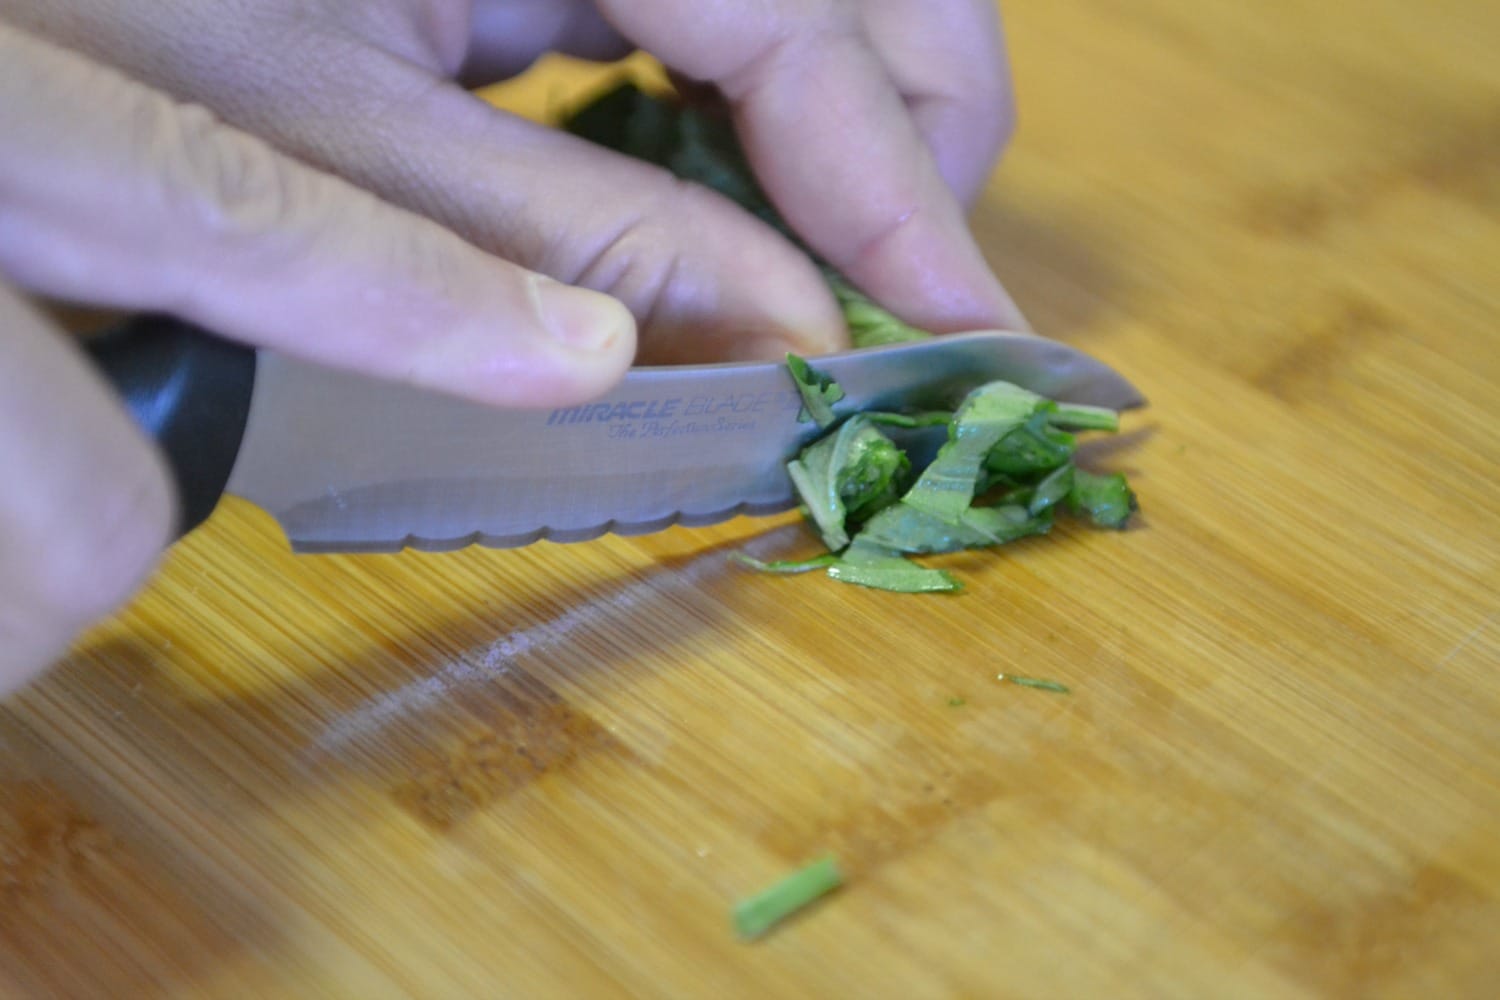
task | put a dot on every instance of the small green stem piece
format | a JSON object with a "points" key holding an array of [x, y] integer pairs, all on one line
{"points": [[755, 916]]}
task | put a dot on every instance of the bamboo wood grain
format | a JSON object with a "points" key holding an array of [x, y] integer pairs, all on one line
{"points": [[550, 771]]}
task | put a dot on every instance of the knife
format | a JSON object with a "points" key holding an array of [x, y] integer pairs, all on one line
{"points": [[347, 463]]}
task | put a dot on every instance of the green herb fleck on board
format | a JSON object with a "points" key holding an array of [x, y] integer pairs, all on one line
{"points": [[784, 567], [957, 701], [1034, 682], [754, 916]]}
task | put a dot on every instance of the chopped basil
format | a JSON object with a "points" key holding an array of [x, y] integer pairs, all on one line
{"points": [[869, 325], [1107, 500], [819, 392], [755, 916], [946, 489], [882, 569], [904, 528], [1080, 417], [1033, 448], [846, 476], [934, 418], [1007, 465], [785, 567], [1001, 438], [1055, 486]]}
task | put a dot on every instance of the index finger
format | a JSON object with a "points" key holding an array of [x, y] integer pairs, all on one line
{"points": [[835, 147]]}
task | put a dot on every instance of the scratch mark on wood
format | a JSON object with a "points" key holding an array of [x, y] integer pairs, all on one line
{"points": [[1466, 641], [486, 664]]}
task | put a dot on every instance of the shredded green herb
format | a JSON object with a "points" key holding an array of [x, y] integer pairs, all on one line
{"points": [[869, 325], [1107, 500], [935, 418], [1034, 682], [819, 392], [1006, 467], [881, 569], [755, 916], [957, 701], [1003, 472], [1055, 486], [785, 567], [1080, 417], [946, 489], [846, 475]]}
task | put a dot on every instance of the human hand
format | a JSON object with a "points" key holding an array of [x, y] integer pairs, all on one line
{"points": [[868, 125], [112, 193]]}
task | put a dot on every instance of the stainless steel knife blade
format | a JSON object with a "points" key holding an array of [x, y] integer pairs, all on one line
{"points": [[350, 464]]}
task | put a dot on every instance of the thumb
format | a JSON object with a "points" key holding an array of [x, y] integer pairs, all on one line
{"points": [[113, 193], [86, 505]]}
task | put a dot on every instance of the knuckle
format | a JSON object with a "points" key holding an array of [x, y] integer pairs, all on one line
{"points": [[228, 185], [639, 261], [884, 231], [789, 44]]}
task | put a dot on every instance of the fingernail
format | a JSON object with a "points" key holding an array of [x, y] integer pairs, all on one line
{"points": [[581, 319]]}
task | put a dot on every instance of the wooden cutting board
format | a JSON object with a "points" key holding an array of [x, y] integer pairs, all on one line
{"points": [[549, 772]]}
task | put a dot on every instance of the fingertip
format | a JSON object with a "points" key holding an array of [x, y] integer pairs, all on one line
{"points": [[816, 328], [928, 269], [597, 337], [734, 289], [810, 332], [583, 320], [575, 345], [793, 307]]}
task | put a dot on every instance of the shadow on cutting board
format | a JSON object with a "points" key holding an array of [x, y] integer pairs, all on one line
{"points": [[1061, 284], [450, 712], [138, 778]]}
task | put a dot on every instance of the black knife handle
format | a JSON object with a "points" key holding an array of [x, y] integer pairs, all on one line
{"points": [[190, 391]]}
